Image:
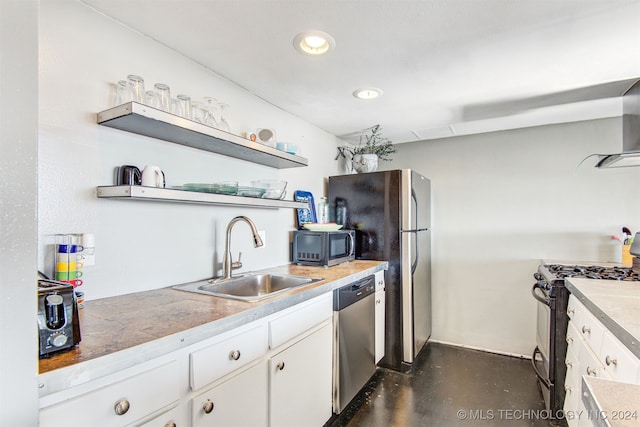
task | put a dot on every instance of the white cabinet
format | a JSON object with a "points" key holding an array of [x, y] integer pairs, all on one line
{"points": [[275, 370], [239, 401], [380, 313], [300, 381], [592, 351], [117, 400]]}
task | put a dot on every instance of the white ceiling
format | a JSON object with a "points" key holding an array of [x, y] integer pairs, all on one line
{"points": [[447, 67]]}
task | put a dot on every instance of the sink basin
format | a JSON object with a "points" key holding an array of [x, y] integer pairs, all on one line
{"points": [[250, 287]]}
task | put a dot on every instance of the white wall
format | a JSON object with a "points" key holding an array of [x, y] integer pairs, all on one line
{"points": [[502, 202], [18, 226], [143, 245]]}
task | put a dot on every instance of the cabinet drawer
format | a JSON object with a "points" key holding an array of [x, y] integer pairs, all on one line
{"points": [[618, 361], [572, 382], [143, 393], [571, 307], [590, 365], [574, 339], [239, 401], [214, 361], [590, 328], [300, 318], [169, 418]]}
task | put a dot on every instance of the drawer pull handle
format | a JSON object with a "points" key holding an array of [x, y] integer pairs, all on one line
{"points": [[280, 366], [569, 340], [170, 424], [592, 371], [586, 330], [121, 407], [571, 310], [208, 406], [569, 364], [234, 355], [610, 361], [568, 389]]}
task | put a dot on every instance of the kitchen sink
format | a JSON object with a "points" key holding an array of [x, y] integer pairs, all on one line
{"points": [[250, 287]]}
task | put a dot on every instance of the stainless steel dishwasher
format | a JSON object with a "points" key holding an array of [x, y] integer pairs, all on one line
{"points": [[354, 340]]}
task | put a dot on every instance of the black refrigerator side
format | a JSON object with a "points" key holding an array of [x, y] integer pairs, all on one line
{"points": [[372, 202]]}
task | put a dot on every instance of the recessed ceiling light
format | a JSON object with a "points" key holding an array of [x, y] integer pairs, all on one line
{"points": [[314, 42], [367, 93]]}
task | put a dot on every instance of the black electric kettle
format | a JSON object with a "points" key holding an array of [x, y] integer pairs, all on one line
{"points": [[128, 175]]}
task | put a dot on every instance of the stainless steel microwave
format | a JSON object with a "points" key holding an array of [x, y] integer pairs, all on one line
{"points": [[323, 248]]}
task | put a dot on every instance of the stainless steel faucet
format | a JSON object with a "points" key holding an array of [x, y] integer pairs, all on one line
{"points": [[228, 264]]}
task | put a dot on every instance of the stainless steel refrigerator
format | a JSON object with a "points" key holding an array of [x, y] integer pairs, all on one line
{"points": [[391, 213]]}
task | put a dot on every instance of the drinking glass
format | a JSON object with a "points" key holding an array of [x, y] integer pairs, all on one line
{"points": [[163, 96], [150, 99], [184, 104], [223, 123], [210, 109], [136, 87], [122, 93], [175, 107], [198, 111]]}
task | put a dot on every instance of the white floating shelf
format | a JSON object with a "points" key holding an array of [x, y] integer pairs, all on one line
{"points": [[139, 192], [144, 120]]}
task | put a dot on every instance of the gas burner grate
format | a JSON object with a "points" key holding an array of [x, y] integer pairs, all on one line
{"points": [[561, 271]]}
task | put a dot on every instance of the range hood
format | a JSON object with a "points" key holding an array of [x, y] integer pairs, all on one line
{"points": [[630, 155]]}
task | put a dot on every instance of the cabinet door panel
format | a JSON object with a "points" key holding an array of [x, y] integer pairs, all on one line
{"points": [[241, 401], [300, 382]]}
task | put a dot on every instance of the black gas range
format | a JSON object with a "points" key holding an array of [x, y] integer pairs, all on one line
{"points": [[552, 272], [549, 355]]}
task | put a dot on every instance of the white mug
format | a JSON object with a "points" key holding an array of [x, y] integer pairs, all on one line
{"points": [[152, 176]]}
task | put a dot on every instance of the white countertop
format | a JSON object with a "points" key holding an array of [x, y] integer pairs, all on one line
{"points": [[611, 403]]}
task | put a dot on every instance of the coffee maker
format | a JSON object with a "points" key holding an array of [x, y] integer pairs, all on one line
{"points": [[58, 322]]}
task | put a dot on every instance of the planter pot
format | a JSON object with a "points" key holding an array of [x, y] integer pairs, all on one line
{"points": [[363, 163]]}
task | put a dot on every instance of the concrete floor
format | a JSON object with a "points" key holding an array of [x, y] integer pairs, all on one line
{"points": [[450, 386]]}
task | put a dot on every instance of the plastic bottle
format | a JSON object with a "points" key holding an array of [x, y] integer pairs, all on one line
{"points": [[323, 210]]}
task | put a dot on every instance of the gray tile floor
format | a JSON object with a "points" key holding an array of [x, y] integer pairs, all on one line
{"points": [[450, 386]]}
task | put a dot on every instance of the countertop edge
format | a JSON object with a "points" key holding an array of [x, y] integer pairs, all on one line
{"points": [[80, 373]]}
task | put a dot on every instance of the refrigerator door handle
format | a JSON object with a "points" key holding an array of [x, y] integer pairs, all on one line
{"points": [[416, 255], [414, 231]]}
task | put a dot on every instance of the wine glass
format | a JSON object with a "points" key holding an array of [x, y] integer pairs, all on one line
{"points": [[210, 108], [223, 123]]}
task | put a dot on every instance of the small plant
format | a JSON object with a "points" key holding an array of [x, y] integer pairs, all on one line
{"points": [[374, 143]]}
